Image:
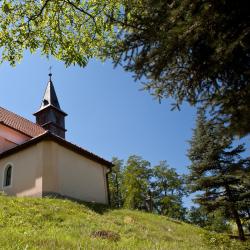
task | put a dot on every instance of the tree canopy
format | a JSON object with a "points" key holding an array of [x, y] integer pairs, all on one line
{"points": [[167, 191], [70, 30], [135, 184], [194, 51]]}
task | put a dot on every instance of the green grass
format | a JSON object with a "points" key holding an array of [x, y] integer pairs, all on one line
{"points": [[33, 223]]}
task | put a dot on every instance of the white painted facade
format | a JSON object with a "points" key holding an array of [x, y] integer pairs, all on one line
{"points": [[49, 168]]}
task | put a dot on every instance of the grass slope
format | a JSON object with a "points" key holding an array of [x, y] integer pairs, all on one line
{"points": [[33, 223]]}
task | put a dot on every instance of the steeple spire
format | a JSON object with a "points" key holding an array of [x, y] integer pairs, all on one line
{"points": [[50, 97], [50, 116]]}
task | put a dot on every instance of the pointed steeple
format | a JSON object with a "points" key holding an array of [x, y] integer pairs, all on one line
{"points": [[50, 97], [50, 116]]}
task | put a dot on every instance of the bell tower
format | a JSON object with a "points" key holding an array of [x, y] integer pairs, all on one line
{"points": [[50, 116]]}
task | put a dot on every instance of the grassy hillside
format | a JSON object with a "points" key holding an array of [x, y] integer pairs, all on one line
{"points": [[28, 223]]}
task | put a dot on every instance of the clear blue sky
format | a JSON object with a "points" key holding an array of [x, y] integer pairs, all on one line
{"points": [[107, 114]]}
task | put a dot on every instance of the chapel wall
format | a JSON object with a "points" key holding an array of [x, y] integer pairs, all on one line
{"points": [[26, 172], [50, 168], [75, 176]]}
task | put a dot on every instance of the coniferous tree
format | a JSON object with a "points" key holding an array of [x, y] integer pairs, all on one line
{"points": [[217, 169], [195, 51], [115, 182], [136, 183]]}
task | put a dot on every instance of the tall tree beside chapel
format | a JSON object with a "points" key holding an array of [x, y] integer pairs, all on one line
{"points": [[115, 183], [136, 183], [217, 170], [167, 191]]}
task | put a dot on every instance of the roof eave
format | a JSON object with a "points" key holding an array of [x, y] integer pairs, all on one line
{"points": [[49, 136], [50, 106]]}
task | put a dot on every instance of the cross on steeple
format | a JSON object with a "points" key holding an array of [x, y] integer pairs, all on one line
{"points": [[50, 72]]}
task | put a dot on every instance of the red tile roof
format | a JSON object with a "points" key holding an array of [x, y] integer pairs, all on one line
{"points": [[20, 124]]}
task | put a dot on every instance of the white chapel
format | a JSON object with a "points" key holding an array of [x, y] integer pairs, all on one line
{"points": [[36, 159]]}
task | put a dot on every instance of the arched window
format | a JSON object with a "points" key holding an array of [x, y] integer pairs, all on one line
{"points": [[7, 176]]}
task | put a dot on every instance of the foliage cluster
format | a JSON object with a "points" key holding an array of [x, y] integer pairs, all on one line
{"points": [[194, 51], [137, 185], [214, 221], [71, 31]]}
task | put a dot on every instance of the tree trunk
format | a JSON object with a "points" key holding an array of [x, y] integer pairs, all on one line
{"points": [[238, 222], [235, 213]]}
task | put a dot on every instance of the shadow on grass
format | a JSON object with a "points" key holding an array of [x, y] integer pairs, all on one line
{"points": [[96, 207], [236, 237]]}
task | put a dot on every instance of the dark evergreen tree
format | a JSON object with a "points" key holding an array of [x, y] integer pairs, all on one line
{"points": [[167, 191], [217, 170], [115, 182], [136, 183], [195, 51]]}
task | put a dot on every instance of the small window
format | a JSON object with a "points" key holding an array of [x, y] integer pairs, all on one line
{"points": [[7, 176]]}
